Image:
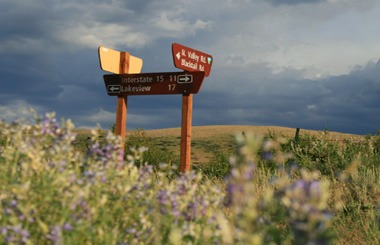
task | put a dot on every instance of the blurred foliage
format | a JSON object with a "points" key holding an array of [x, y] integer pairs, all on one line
{"points": [[62, 187]]}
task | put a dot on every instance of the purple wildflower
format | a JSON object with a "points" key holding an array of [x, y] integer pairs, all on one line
{"points": [[191, 211], [229, 196], [105, 154], [162, 199], [145, 172], [131, 231], [234, 192], [168, 203], [304, 200], [67, 227], [103, 177], [49, 125], [15, 234], [13, 203], [90, 175], [55, 235], [80, 210], [3, 230], [7, 211], [266, 155], [248, 173], [174, 205]]}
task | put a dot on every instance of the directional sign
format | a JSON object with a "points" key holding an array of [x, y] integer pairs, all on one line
{"points": [[189, 59], [118, 62], [185, 78], [113, 89], [154, 83]]}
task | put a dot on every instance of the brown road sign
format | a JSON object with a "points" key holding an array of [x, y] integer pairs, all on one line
{"points": [[118, 62], [154, 83], [189, 59]]}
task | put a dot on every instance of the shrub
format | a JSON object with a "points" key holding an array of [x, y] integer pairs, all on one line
{"points": [[53, 193], [272, 206], [218, 166], [50, 192], [324, 153], [154, 155]]}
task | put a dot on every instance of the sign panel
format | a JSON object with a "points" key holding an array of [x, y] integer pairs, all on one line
{"points": [[118, 62], [154, 83], [189, 59]]}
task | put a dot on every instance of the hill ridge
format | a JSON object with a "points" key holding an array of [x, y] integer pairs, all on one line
{"points": [[206, 131]]}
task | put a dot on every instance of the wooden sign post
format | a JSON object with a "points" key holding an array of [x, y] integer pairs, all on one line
{"points": [[186, 83], [188, 59], [122, 102], [186, 124], [119, 63], [127, 80]]}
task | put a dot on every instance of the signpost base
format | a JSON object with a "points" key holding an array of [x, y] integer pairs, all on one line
{"points": [[187, 108]]}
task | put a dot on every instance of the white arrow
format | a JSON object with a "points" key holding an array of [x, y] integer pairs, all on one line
{"points": [[114, 88], [187, 78], [178, 55]]}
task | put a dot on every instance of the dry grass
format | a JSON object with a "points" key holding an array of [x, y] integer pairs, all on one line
{"points": [[204, 137], [222, 135], [201, 132]]}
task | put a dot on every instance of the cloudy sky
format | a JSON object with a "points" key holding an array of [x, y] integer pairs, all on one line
{"points": [[312, 64]]}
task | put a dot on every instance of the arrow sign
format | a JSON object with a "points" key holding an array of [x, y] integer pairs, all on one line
{"points": [[113, 89], [154, 83], [189, 59], [185, 78]]}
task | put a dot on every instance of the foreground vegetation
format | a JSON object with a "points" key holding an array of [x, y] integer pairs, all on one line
{"points": [[60, 188]]}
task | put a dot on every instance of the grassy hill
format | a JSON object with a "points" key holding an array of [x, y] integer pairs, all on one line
{"points": [[199, 132], [209, 141]]}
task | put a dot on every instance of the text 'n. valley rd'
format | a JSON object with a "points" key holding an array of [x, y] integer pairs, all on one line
{"points": [[154, 83], [189, 59]]}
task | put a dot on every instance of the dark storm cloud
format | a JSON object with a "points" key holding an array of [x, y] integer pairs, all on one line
{"points": [[48, 60], [138, 6], [293, 2], [45, 70], [29, 77], [258, 97], [346, 103]]}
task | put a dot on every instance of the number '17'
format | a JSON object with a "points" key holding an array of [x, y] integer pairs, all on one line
{"points": [[171, 87]]}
